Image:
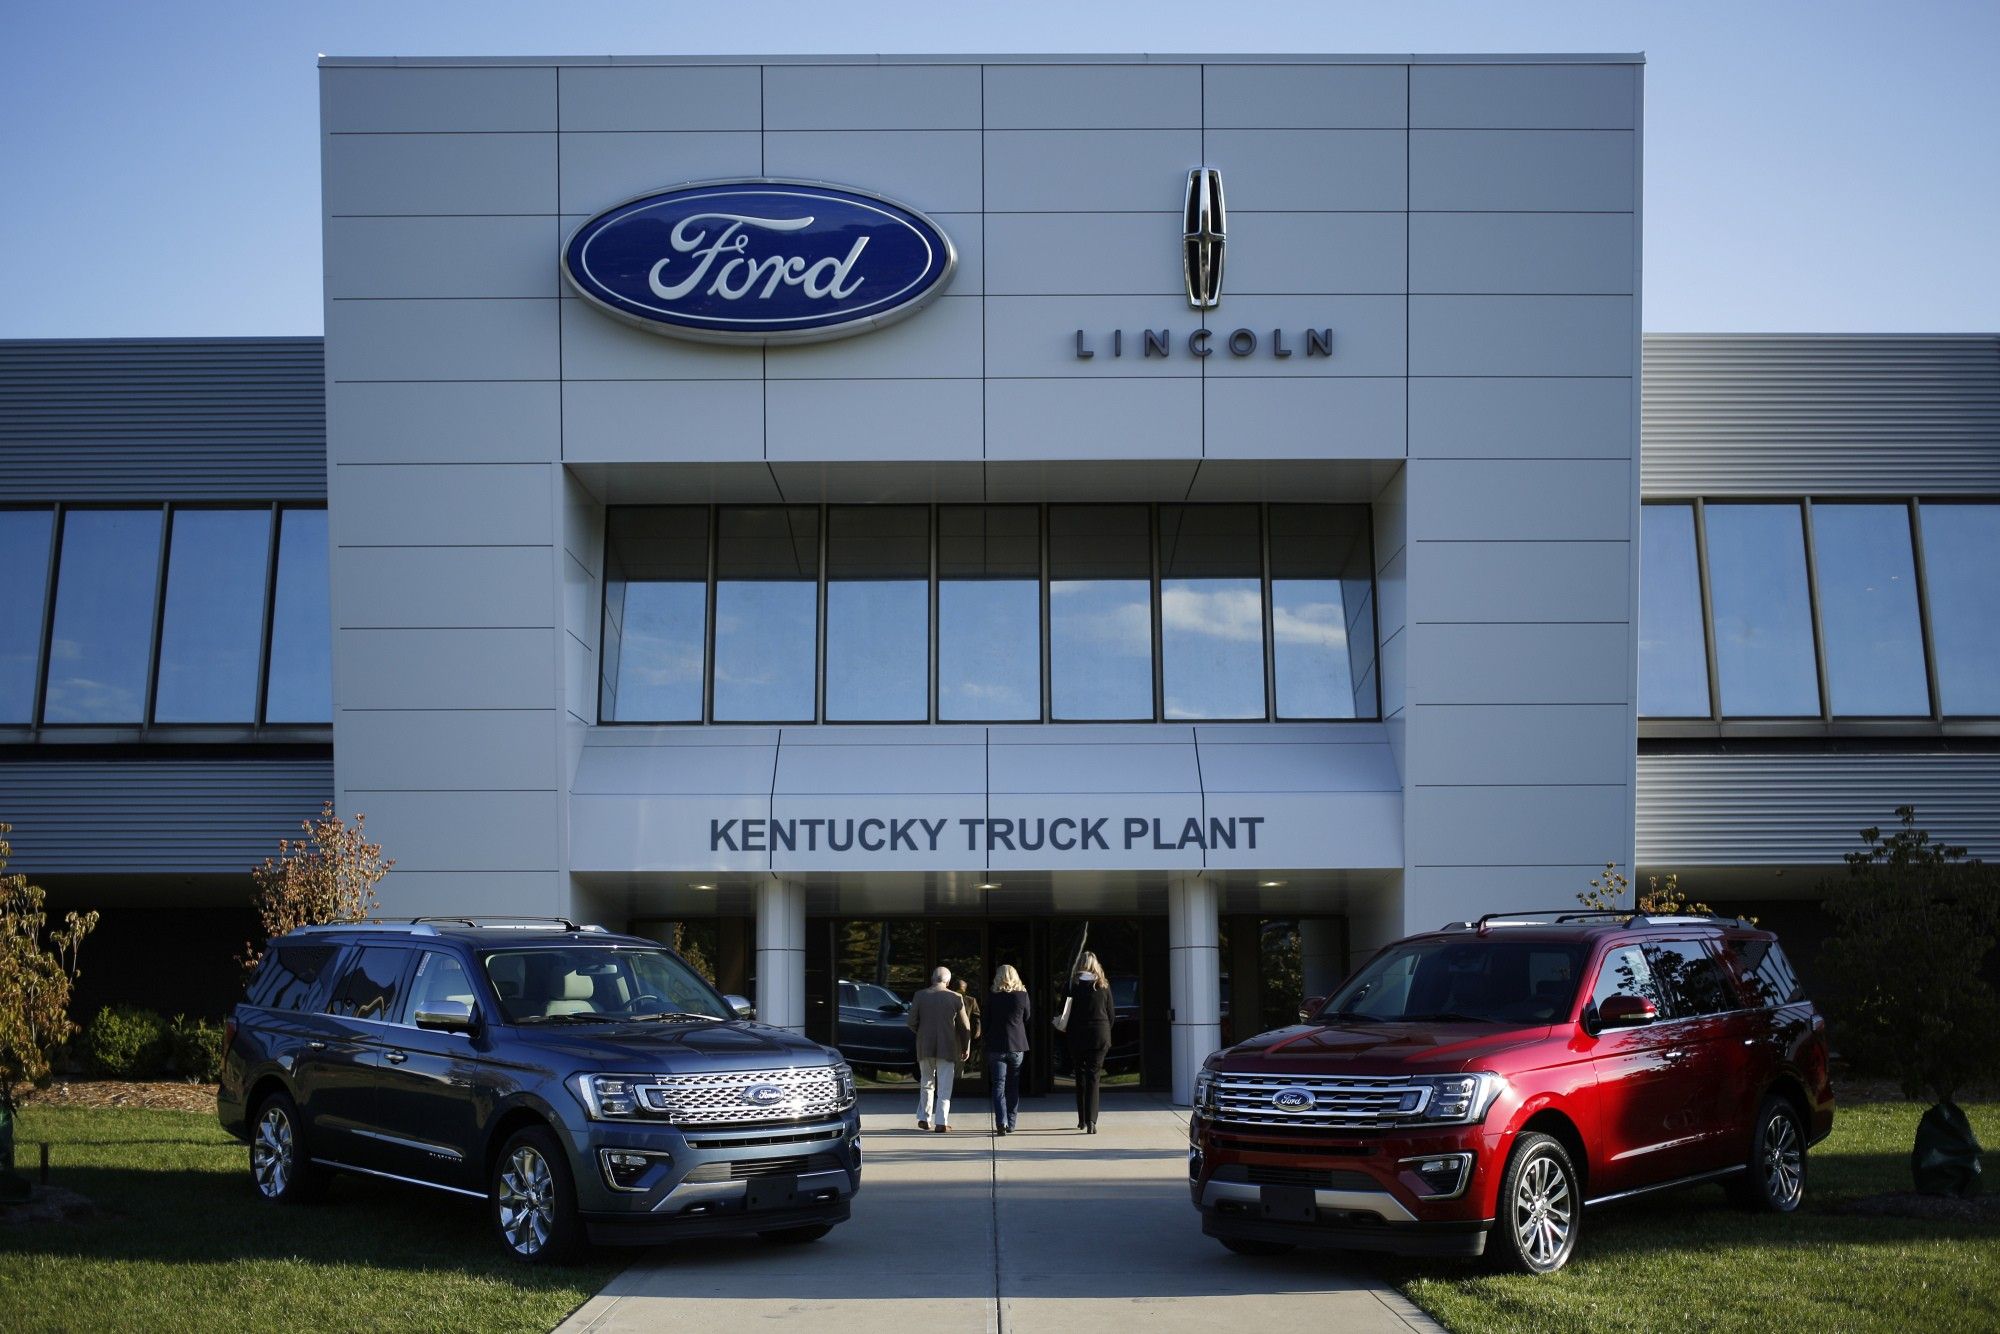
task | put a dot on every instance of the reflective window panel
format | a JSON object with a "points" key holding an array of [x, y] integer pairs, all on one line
{"points": [[1673, 658], [1211, 611], [878, 618], [300, 689], [989, 613], [24, 579], [766, 613], [1322, 611], [1763, 619], [1962, 573], [655, 608], [1868, 611], [212, 629], [106, 583], [1100, 612]]}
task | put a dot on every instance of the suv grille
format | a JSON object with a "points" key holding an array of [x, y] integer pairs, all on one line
{"points": [[745, 1168], [724, 1097], [1319, 1178], [1341, 1103]]}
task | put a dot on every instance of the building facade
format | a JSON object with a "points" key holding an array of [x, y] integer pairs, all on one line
{"points": [[1227, 629]]}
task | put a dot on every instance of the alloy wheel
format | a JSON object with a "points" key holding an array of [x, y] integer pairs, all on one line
{"points": [[271, 1153], [1784, 1161], [526, 1201], [1542, 1209]]}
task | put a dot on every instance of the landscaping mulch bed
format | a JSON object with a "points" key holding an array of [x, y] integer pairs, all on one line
{"points": [[156, 1095], [1909, 1204]]}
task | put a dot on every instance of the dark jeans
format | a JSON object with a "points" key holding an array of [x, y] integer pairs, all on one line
{"points": [[1089, 1070], [1003, 1072]]}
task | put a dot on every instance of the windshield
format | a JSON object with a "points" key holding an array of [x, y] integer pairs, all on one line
{"points": [[1462, 981], [599, 984]]}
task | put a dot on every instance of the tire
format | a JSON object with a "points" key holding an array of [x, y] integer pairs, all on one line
{"points": [[1252, 1247], [280, 1170], [796, 1236], [1774, 1179], [531, 1198], [1540, 1212]]}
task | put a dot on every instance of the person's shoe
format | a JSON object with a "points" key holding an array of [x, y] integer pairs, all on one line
{"points": [[923, 1125], [944, 1130], [1093, 1128], [1011, 1127]]}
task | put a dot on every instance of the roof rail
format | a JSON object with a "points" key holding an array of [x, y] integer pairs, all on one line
{"points": [[1562, 916], [407, 928], [512, 920]]}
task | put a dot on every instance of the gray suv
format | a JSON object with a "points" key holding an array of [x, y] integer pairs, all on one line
{"points": [[588, 1087]]}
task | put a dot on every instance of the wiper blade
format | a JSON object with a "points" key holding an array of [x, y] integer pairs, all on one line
{"points": [[669, 1016], [565, 1019]]}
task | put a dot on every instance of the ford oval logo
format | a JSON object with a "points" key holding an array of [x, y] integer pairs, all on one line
{"points": [[1293, 1100], [763, 1095], [762, 261]]}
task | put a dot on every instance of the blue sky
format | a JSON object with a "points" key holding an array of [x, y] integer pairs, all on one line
{"points": [[1809, 166]]}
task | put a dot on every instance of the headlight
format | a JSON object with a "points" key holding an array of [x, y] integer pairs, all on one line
{"points": [[843, 1075], [1204, 1091], [1461, 1099], [610, 1097]]}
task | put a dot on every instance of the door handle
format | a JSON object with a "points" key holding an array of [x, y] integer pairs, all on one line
{"points": [[316, 1045], [396, 1057]]}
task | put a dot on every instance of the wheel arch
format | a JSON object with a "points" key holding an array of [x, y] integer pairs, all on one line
{"points": [[510, 1122], [1557, 1124]]}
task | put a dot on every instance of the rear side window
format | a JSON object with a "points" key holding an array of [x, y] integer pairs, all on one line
{"points": [[1693, 978], [368, 991], [289, 976], [1765, 971]]}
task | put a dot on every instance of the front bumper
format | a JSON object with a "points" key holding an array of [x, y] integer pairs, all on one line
{"points": [[1356, 1220]]}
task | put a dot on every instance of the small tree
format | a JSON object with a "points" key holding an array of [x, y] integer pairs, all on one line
{"points": [[1610, 891], [38, 968], [1914, 923], [328, 876]]}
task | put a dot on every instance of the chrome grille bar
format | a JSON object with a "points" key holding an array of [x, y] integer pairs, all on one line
{"points": [[1343, 1102], [716, 1098]]}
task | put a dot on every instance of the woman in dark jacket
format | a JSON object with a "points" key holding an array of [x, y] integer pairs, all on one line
{"points": [[1090, 1009], [1006, 1045]]}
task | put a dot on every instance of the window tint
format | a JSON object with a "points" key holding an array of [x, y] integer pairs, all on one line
{"points": [[1868, 610], [1765, 972], [1961, 553], [300, 689], [1763, 617], [212, 629], [598, 984], [98, 654], [1322, 611], [1211, 611], [989, 613], [1673, 656], [1479, 981], [1625, 972], [655, 608], [1100, 612], [766, 613], [24, 575], [878, 616], [440, 977], [1692, 977], [368, 991], [289, 975]]}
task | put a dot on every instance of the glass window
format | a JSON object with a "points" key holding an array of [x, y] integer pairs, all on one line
{"points": [[989, 613], [1868, 610], [368, 991], [766, 613], [1765, 971], [301, 682], [878, 613], [289, 975], [211, 632], [24, 580], [655, 608], [1322, 611], [1100, 612], [1625, 972], [1763, 619], [1673, 658], [103, 639], [1463, 981], [596, 984], [440, 977], [1693, 977], [1961, 554], [1211, 611]]}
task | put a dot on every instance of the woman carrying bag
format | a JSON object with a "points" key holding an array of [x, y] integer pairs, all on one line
{"points": [[1086, 1021]]}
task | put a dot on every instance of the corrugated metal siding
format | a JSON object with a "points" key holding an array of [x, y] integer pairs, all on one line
{"points": [[167, 419], [1796, 414], [84, 816], [1732, 809]]}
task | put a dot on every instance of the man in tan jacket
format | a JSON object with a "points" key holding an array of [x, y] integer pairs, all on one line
{"points": [[944, 1036]]}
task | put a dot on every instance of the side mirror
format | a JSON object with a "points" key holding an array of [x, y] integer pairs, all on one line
{"points": [[445, 1016], [1309, 1007], [891, 1008], [743, 1008], [1626, 1012]]}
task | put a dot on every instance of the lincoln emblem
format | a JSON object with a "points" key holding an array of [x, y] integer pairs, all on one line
{"points": [[1202, 238]]}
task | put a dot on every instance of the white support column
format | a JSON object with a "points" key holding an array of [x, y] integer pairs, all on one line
{"points": [[1195, 968], [781, 955]]}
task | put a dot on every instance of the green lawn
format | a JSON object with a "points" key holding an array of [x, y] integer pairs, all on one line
{"points": [[1687, 1260], [188, 1246]]}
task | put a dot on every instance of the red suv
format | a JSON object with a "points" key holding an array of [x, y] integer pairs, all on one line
{"points": [[1471, 1090]]}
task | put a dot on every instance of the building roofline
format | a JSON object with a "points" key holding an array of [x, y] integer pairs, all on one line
{"points": [[963, 58]]}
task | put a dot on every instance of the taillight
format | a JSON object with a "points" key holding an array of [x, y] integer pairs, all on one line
{"points": [[228, 1033]]}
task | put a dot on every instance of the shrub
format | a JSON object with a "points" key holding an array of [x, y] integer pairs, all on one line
{"points": [[328, 876], [125, 1042], [194, 1049]]}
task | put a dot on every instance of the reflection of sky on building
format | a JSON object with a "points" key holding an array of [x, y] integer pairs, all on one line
{"points": [[1961, 556], [1212, 648], [659, 657], [764, 650], [1310, 663], [1763, 622], [24, 570], [1101, 648], [1673, 660], [877, 650], [104, 616], [989, 649], [1868, 610]]}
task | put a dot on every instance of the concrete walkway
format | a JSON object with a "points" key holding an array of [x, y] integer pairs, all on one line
{"points": [[1044, 1230]]}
